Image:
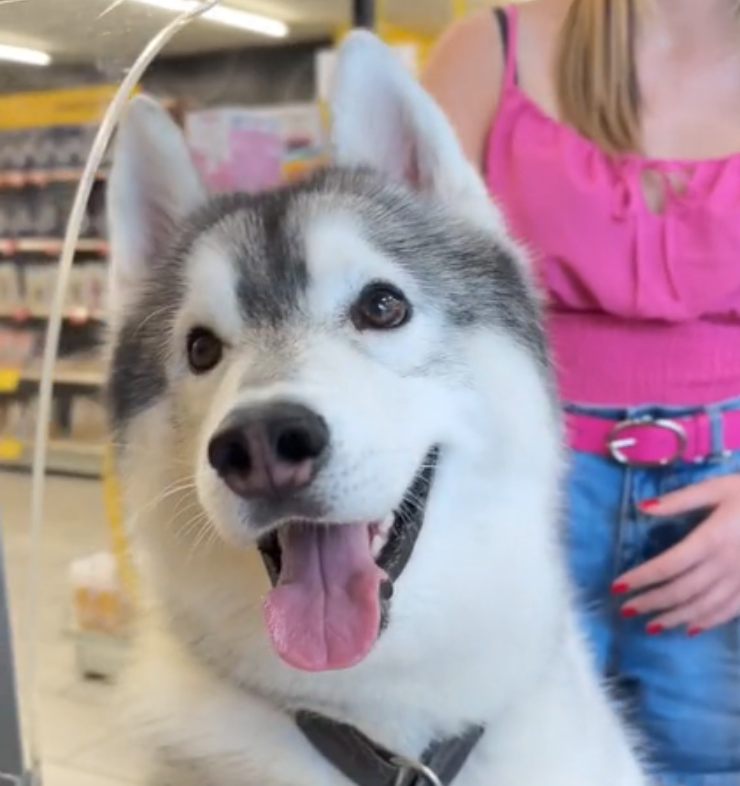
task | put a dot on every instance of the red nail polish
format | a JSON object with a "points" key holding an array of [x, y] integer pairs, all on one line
{"points": [[628, 612], [655, 629], [620, 588], [693, 632], [648, 504]]}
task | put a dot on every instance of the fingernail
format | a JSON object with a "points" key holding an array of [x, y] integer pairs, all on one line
{"points": [[693, 632], [648, 504], [620, 588], [628, 612], [655, 629]]}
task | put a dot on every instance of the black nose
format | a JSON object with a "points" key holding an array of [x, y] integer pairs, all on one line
{"points": [[269, 450]]}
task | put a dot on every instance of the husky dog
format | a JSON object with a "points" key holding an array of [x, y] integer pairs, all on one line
{"points": [[341, 459]]}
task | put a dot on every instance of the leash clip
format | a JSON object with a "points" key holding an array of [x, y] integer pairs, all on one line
{"points": [[407, 766]]}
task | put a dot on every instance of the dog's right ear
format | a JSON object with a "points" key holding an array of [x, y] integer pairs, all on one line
{"points": [[383, 118], [153, 185]]}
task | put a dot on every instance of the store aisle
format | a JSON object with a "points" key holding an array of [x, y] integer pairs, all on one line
{"points": [[82, 746]]}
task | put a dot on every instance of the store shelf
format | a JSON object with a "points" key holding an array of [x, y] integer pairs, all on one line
{"points": [[83, 377], [19, 178], [77, 377], [50, 245], [75, 316], [64, 456]]}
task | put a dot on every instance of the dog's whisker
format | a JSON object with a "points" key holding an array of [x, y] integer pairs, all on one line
{"points": [[188, 510], [191, 530], [194, 522], [181, 507], [178, 487], [199, 538]]}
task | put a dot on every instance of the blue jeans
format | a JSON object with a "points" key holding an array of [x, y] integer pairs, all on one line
{"points": [[682, 693]]}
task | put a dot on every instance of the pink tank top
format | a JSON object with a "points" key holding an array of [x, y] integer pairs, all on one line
{"points": [[643, 307]]}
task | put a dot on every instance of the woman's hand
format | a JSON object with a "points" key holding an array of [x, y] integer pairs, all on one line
{"points": [[697, 582]]}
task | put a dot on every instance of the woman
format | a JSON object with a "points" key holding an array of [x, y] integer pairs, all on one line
{"points": [[609, 133]]}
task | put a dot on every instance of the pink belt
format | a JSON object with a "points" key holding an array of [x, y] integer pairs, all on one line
{"points": [[652, 442]]}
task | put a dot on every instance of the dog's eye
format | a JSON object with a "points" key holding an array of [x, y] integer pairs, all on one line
{"points": [[204, 350], [380, 307]]}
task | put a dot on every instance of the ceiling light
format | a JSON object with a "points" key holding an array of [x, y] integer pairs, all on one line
{"points": [[20, 54], [232, 17]]}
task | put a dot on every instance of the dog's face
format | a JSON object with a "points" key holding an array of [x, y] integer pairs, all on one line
{"points": [[306, 354]]}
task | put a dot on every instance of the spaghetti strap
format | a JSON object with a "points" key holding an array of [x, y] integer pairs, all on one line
{"points": [[507, 19]]}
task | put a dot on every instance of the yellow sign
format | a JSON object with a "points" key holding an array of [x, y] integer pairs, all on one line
{"points": [[9, 380], [10, 449], [74, 107]]}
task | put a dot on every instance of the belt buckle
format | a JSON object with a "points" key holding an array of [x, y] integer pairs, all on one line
{"points": [[616, 444], [409, 766]]}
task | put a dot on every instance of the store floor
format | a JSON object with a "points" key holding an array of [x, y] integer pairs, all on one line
{"points": [[81, 744]]}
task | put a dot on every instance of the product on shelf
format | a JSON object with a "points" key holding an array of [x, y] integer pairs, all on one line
{"points": [[86, 289], [41, 210], [27, 284], [56, 147], [99, 602], [11, 294], [102, 612], [17, 347], [88, 422]]}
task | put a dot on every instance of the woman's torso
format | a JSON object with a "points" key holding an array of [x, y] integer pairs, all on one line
{"points": [[639, 255]]}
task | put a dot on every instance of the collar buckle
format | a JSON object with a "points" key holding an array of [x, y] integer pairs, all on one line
{"points": [[408, 767]]}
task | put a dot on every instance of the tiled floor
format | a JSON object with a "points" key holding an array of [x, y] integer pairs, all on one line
{"points": [[80, 743]]}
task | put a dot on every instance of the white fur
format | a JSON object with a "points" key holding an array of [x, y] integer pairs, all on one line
{"points": [[482, 629]]}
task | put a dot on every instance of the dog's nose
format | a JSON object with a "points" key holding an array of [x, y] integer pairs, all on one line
{"points": [[269, 450]]}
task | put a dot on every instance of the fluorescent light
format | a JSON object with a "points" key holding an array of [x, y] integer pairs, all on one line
{"points": [[231, 17], [20, 54]]}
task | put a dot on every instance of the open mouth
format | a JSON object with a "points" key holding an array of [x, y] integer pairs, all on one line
{"points": [[332, 583]]}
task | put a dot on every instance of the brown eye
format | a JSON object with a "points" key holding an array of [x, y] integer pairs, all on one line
{"points": [[204, 350], [380, 307]]}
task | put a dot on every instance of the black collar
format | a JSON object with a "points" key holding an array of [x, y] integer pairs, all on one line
{"points": [[368, 764]]}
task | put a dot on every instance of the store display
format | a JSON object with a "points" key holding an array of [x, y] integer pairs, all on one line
{"points": [[235, 149], [39, 170], [249, 149]]}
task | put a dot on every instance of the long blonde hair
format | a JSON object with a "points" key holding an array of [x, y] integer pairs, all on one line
{"points": [[597, 86]]}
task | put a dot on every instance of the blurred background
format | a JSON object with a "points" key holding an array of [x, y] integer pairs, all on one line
{"points": [[248, 87]]}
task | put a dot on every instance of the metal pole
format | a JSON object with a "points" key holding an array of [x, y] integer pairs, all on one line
{"points": [[12, 770], [363, 13]]}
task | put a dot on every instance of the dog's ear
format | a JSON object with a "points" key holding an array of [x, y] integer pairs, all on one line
{"points": [[383, 118], [152, 186]]}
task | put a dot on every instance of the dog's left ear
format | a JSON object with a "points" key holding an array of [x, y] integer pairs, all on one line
{"points": [[152, 187], [383, 118]]}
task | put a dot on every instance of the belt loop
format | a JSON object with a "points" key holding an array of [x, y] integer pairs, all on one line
{"points": [[716, 417]]}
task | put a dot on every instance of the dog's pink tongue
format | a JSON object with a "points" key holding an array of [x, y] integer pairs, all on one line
{"points": [[325, 612]]}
